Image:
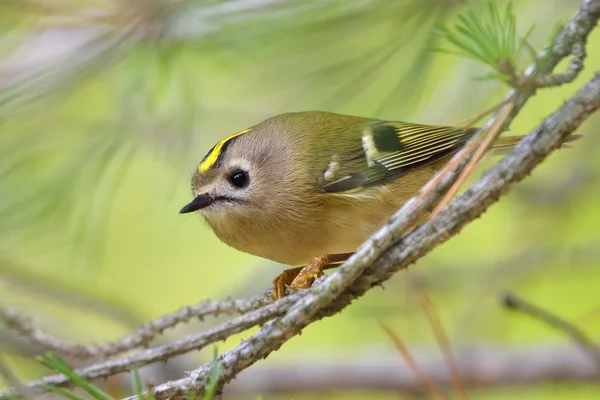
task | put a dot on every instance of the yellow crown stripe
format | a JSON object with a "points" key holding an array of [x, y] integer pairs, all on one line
{"points": [[212, 158]]}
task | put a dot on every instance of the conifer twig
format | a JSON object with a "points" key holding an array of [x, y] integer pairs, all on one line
{"points": [[515, 302], [141, 337], [483, 143], [484, 367], [181, 346], [431, 386], [550, 80], [442, 339]]}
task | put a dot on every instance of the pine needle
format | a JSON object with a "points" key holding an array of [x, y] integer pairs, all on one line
{"points": [[435, 391]]}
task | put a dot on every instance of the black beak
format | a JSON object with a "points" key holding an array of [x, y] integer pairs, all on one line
{"points": [[198, 203]]}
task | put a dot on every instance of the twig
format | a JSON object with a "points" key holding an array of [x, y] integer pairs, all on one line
{"points": [[482, 144], [410, 361], [482, 366], [141, 337], [442, 339], [178, 347], [575, 67], [470, 121], [530, 81], [514, 302]]}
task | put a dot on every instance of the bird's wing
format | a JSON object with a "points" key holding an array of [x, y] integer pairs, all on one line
{"points": [[389, 150]]}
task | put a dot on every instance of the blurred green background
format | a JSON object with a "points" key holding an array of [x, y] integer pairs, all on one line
{"points": [[106, 107]]}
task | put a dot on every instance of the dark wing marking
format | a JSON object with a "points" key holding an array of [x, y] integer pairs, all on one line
{"points": [[347, 183], [386, 138]]}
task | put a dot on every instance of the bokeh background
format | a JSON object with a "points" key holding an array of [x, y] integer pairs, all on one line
{"points": [[107, 106]]}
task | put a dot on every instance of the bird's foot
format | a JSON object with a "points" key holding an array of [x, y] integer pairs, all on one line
{"points": [[304, 277], [299, 278]]}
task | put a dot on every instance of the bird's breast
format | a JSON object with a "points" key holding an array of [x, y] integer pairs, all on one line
{"points": [[296, 234]]}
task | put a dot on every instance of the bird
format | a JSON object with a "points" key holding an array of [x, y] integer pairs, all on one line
{"points": [[307, 188]]}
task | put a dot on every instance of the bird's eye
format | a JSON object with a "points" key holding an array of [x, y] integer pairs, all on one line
{"points": [[239, 179]]}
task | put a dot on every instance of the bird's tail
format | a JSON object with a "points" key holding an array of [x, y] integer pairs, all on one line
{"points": [[504, 144]]}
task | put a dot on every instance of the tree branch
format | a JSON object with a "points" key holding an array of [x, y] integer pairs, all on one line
{"points": [[480, 366], [141, 337], [514, 302], [177, 347], [423, 377]]}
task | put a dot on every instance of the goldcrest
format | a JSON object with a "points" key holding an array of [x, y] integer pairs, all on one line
{"points": [[310, 187]]}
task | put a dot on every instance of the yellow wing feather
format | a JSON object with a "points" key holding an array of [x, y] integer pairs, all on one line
{"points": [[422, 143], [390, 149]]}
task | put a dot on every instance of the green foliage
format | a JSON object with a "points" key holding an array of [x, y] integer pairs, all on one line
{"points": [[490, 39], [138, 387], [136, 383], [57, 364], [214, 376], [13, 397]]}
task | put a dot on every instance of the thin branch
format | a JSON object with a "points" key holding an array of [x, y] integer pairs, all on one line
{"points": [[530, 81], [141, 337], [575, 67], [470, 121], [482, 366], [514, 302], [177, 347], [483, 143], [444, 343], [433, 389]]}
